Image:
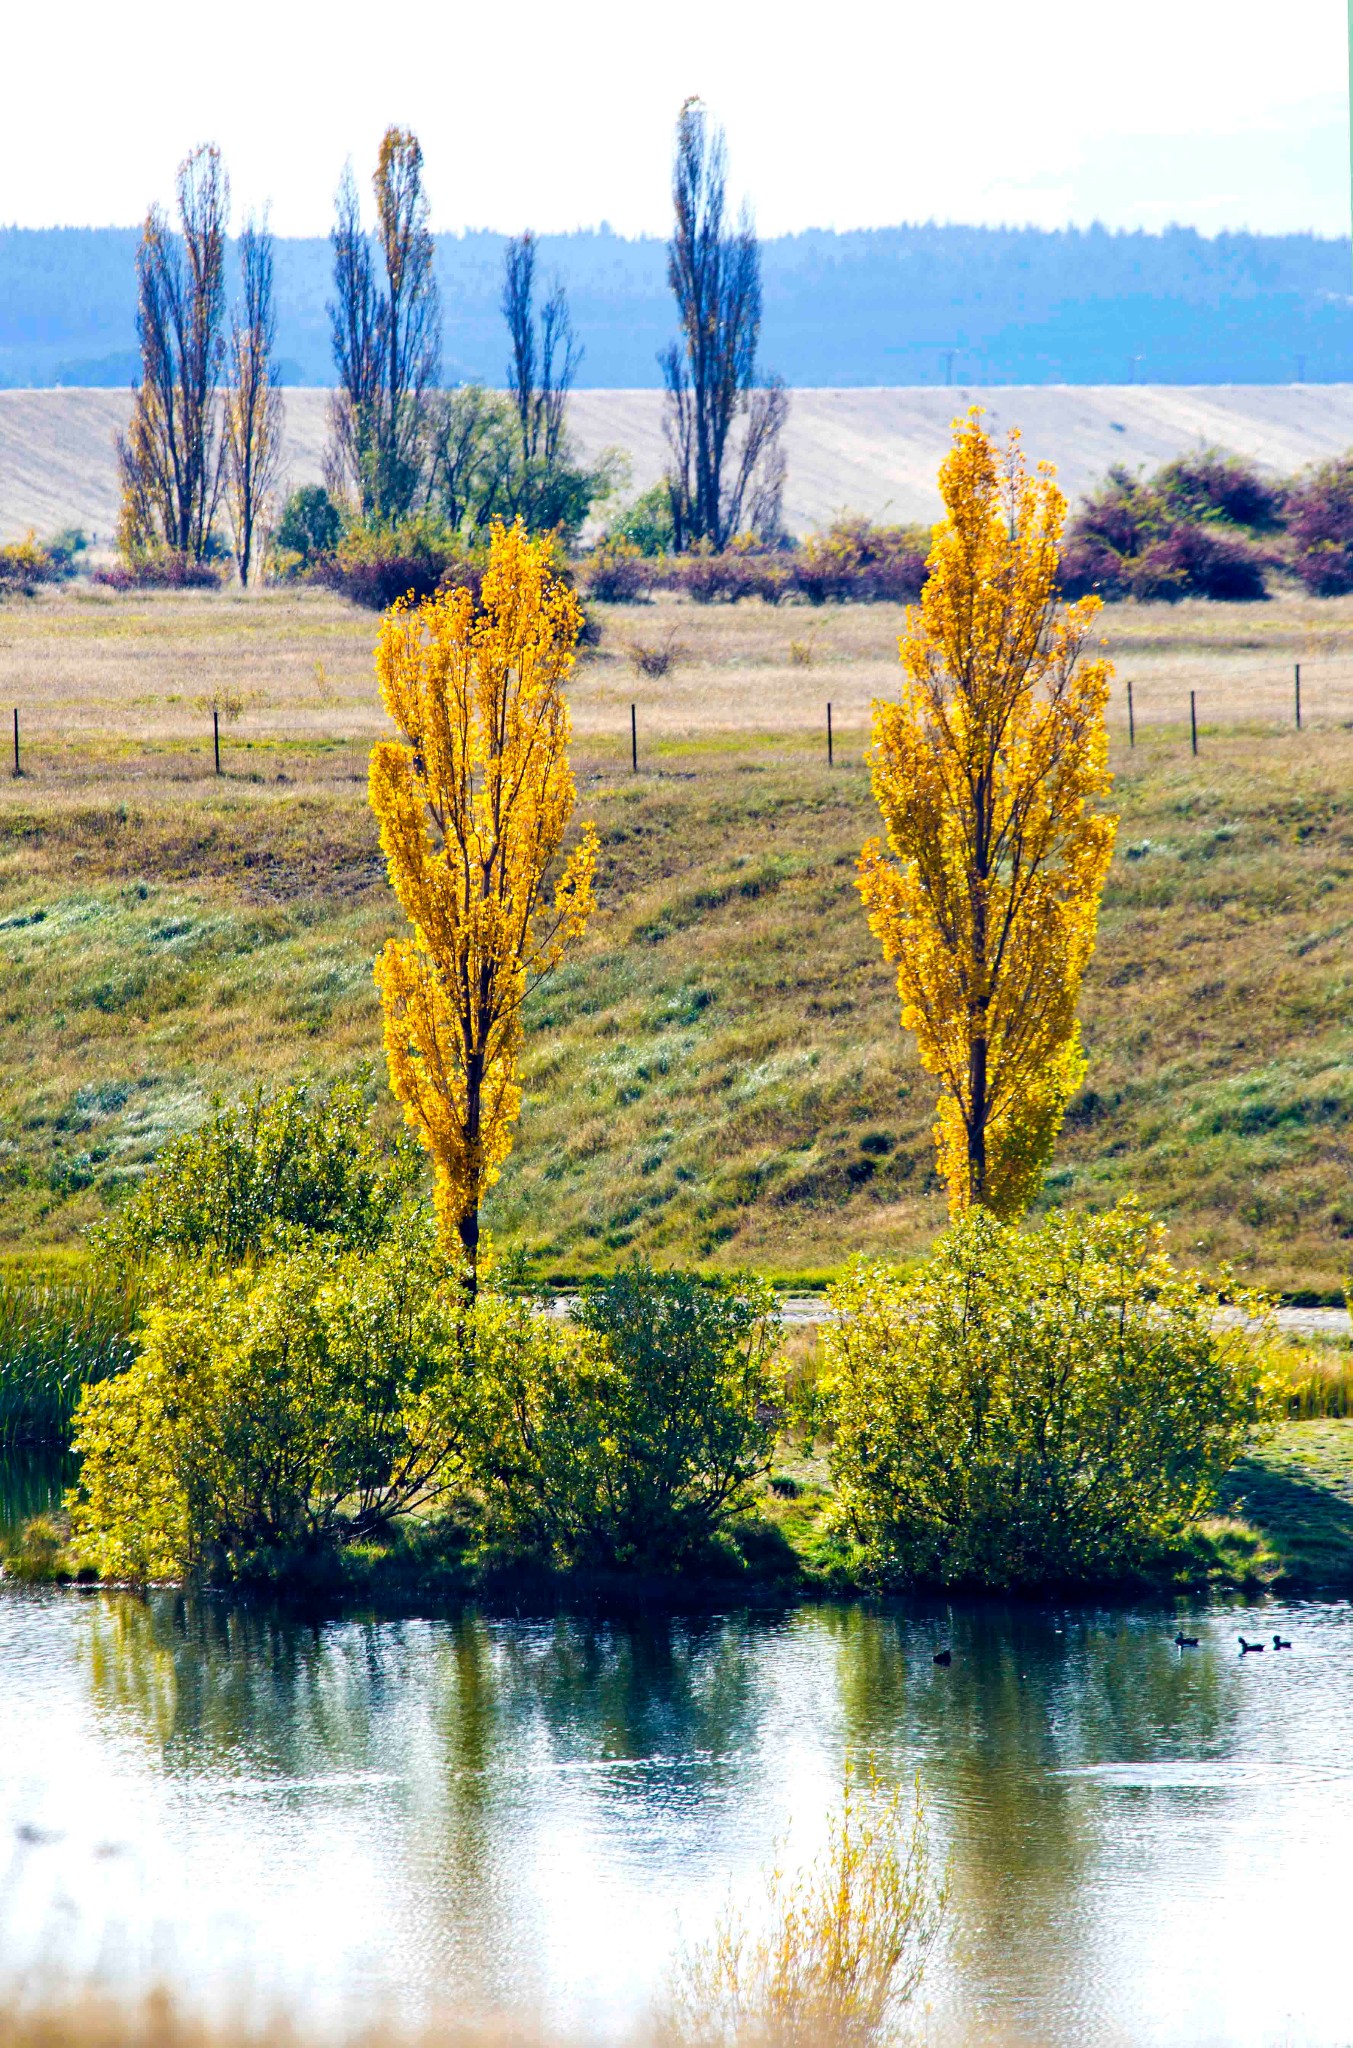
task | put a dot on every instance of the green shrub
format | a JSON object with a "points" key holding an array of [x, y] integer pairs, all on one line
{"points": [[301, 1160], [55, 1337], [632, 1436], [1035, 1405], [311, 525], [276, 1412], [645, 523]]}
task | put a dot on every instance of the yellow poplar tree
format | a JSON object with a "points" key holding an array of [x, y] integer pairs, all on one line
{"points": [[474, 802], [986, 773]]}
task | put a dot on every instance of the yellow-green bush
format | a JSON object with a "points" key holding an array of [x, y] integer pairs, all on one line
{"points": [[277, 1410], [632, 1434], [1035, 1404]]}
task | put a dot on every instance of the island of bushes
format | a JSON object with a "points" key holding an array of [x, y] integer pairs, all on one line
{"points": [[315, 1401]]}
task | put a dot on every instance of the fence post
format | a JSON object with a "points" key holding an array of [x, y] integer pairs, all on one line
{"points": [[216, 737], [1298, 690], [1193, 718], [1132, 723], [829, 735], [17, 769], [634, 740]]}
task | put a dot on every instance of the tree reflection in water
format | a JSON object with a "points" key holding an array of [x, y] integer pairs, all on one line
{"points": [[510, 1811]]}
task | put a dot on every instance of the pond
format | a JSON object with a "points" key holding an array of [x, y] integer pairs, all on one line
{"points": [[1147, 1845]]}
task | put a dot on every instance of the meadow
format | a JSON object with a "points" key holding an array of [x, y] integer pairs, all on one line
{"points": [[718, 1076]]}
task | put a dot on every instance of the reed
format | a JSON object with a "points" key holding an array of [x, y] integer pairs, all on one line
{"points": [[1314, 1379], [56, 1335]]}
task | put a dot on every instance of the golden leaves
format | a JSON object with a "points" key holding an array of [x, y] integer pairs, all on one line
{"points": [[474, 803], [986, 772]]}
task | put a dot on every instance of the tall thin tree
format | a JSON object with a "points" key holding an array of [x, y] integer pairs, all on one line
{"points": [[354, 327], [253, 412], [544, 362], [170, 459], [386, 338], [410, 322], [991, 774], [710, 375], [545, 353]]}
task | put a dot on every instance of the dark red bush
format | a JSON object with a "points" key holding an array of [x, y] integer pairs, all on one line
{"points": [[1091, 567], [1211, 485], [1320, 526], [857, 562], [617, 574], [167, 571], [723, 579], [1197, 561]]}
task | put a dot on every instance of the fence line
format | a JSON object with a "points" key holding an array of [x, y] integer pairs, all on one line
{"points": [[833, 707]]}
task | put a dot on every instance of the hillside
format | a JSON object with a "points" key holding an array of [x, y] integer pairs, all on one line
{"points": [[867, 451], [867, 307], [720, 1073]]}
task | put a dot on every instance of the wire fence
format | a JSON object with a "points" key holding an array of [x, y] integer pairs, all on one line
{"points": [[1312, 696]]}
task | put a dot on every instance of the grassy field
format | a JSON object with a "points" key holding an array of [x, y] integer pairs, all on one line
{"points": [[719, 1075]]}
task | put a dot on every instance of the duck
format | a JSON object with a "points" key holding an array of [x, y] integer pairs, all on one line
{"points": [[1246, 1648], [944, 1657], [1183, 1642], [1281, 1643]]}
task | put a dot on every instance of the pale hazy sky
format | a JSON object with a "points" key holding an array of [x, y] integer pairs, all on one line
{"points": [[1217, 113]]}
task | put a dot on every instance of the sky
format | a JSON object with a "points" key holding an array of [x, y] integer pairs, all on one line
{"points": [[1212, 113]]}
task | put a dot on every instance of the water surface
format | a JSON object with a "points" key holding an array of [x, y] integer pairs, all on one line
{"points": [[1147, 1847]]}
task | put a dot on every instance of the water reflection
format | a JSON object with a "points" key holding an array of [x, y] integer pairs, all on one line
{"points": [[491, 1812]]}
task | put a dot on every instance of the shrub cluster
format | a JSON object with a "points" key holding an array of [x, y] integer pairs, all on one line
{"points": [[1320, 528], [1208, 525], [1196, 529], [1056, 1403], [853, 562], [1053, 1403], [24, 564], [376, 561], [162, 569], [310, 1367]]}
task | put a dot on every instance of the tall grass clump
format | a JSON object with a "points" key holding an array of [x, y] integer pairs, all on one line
{"points": [[57, 1336], [840, 1949], [1313, 1380]]}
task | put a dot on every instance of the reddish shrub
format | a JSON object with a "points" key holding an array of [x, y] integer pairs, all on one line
{"points": [[164, 570], [616, 573], [714, 579], [1197, 561], [1090, 566], [1210, 485], [856, 562], [1320, 525]]}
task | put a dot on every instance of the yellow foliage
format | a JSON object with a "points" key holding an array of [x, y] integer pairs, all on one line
{"points": [[844, 1945], [985, 773], [474, 803]]}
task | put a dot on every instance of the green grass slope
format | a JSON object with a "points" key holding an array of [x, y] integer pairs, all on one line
{"points": [[719, 1074]]}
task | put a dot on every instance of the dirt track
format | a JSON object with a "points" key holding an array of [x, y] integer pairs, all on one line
{"points": [[866, 451]]}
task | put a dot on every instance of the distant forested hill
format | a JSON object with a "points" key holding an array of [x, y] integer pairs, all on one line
{"points": [[881, 306]]}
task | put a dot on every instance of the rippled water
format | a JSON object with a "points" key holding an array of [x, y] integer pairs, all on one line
{"points": [[1147, 1847]]}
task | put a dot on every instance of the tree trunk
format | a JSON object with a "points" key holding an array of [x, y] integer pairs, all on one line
{"points": [[977, 1120], [469, 1240]]}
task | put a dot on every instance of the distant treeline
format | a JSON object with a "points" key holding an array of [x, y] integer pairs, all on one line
{"points": [[906, 305]]}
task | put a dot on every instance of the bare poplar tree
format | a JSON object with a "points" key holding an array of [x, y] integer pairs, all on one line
{"points": [[718, 482], [386, 340], [544, 362], [354, 324], [170, 458], [253, 412], [410, 328]]}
